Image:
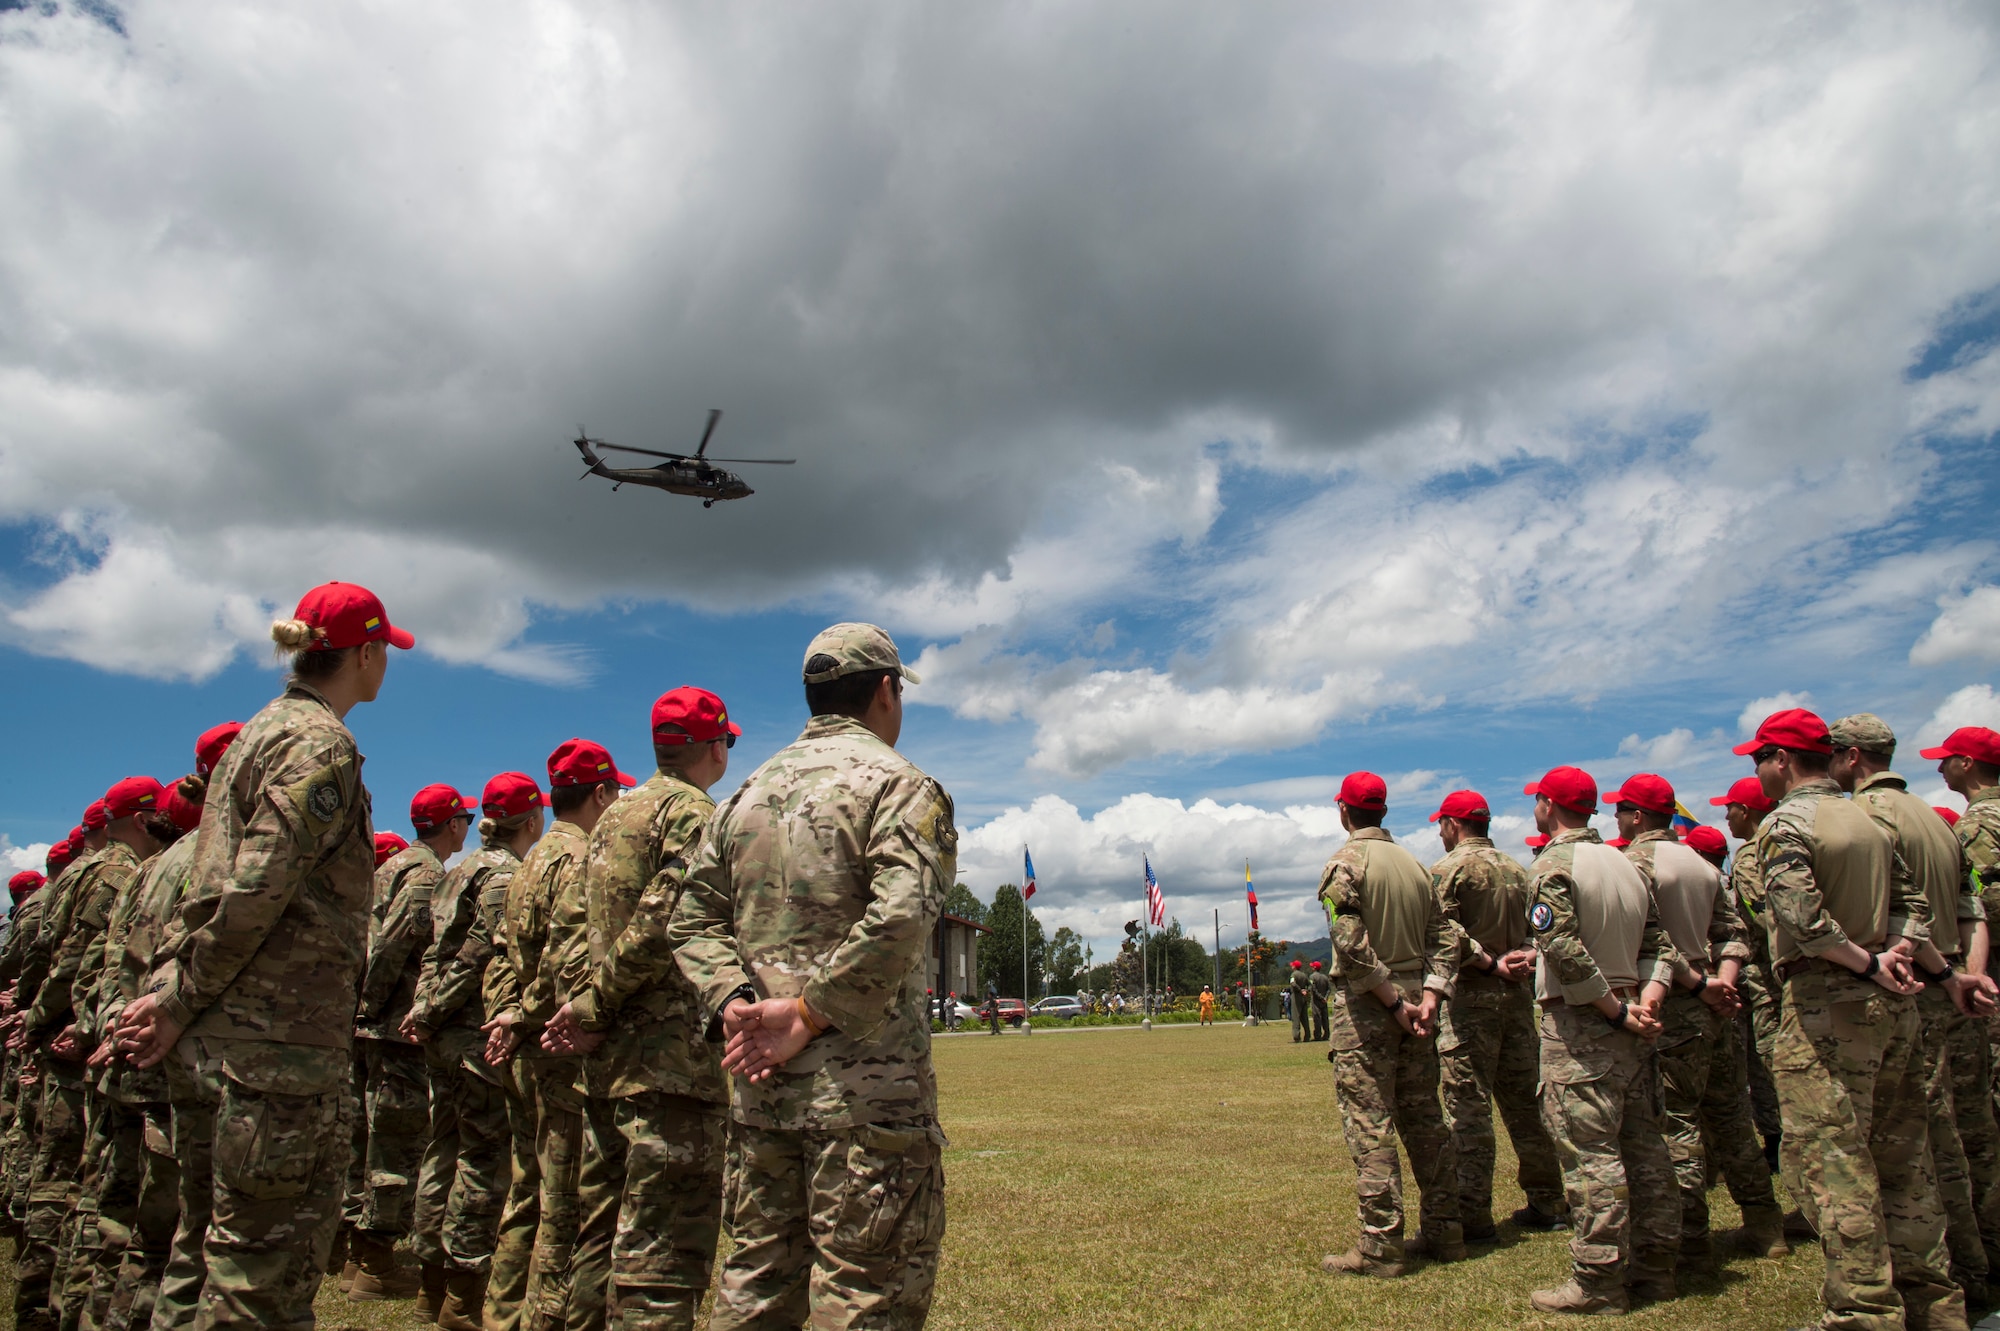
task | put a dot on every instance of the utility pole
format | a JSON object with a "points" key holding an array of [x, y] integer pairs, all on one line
{"points": [[1218, 953]]}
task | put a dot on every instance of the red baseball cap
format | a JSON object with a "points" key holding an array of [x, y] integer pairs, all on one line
{"points": [[135, 794], [1651, 793], [347, 616], [1793, 728], [510, 795], [387, 845], [1974, 742], [1571, 787], [214, 742], [1619, 843], [579, 762], [60, 855], [1464, 804], [1749, 792], [76, 835], [436, 805], [1364, 790], [1706, 840], [23, 883], [95, 817], [1536, 841], [1297, 964], [696, 711], [1950, 816], [185, 812], [1315, 965]]}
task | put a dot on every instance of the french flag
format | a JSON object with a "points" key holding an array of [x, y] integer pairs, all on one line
{"points": [[1028, 874]]}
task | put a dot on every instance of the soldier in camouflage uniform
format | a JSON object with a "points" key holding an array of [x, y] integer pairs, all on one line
{"points": [[1397, 959], [805, 927], [1745, 806], [20, 1086], [529, 1279], [1322, 994], [1488, 1050], [1969, 762], [466, 1162], [1842, 908], [1296, 993], [76, 920], [263, 983], [1603, 967], [1951, 1010], [655, 1116], [1705, 1107], [398, 1096]]}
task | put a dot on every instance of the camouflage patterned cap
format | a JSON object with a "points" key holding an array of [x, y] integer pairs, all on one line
{"points": [[1865, 731], [854, 648]]}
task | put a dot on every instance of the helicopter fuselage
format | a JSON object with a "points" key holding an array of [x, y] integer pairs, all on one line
{"points": [[701, 480]]}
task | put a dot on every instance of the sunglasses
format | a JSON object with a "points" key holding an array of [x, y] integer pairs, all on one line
{"points": [[728, 740], [1766, 754]]}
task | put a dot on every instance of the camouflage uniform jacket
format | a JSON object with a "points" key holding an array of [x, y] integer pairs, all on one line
{"points": [[626, 981], [1553, 908], [277, 906], [1789, 859], [1483, 894], [1746, 885], [130, 945], [27, 920], [1979, 837], [1386, 918], [448, 993], [1931, 850], [824, 877], [1728, 933], [86, 991], [92, 897], [41, 949], [403, 889], [518, 982]]}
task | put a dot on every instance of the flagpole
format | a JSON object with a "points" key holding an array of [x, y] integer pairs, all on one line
{"points": [[1146, 958], [1027, 1025], [1218, 954]]}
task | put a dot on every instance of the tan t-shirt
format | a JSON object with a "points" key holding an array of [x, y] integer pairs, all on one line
{"points": [[1611, 909]]}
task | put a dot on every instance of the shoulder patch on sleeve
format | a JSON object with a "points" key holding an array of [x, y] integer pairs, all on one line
{"points": [[1541, 915]]}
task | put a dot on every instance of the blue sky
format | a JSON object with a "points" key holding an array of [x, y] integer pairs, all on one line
{"points": [[1205, 425]]}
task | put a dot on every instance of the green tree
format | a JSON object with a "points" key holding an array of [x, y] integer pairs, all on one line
{"points": [[960, 902], [1000, 951], [1065, 960]]}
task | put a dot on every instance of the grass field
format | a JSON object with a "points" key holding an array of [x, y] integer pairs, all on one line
{"points": [[1190, 1177]]}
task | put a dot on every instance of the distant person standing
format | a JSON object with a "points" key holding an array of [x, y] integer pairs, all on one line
{"points": [[1397, 955], [993, 1006], [1745, 805], [1297, 987], [1322, 989], [1207, 1003]]}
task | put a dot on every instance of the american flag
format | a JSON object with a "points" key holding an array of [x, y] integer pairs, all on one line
{"points": [[1156, 900]]}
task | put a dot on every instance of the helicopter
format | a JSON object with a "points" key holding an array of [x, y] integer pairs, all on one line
{"points": [[680, 474]]}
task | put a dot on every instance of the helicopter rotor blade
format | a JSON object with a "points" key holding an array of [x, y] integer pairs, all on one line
{"points": [[649, 452], [714, 418], [769, 462]]}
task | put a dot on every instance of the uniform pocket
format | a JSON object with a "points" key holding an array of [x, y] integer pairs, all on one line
{"points": [[268, 1147], [886, 1167]]}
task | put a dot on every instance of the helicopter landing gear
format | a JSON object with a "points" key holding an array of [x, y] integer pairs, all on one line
{"points": [[708, 503]]}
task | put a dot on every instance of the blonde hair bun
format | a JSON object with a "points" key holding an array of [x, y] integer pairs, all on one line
{"points": [[293, 635]]}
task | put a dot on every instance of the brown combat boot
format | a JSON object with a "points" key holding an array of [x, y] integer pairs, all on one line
{"points": [[430, 1294], [1652, 1287], [1440, 1250], [1570, 1297], [464, 1302], [1764, 1235], [1355, 1262], [377, 1274]]}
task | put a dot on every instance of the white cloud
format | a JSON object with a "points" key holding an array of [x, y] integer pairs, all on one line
{"points": [[1666, 750], [13, 858], [1973, 705], [1756, 710], [1966, 626]]}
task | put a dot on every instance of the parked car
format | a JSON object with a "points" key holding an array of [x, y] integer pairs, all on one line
{"points": [[1012, 1011], [1059, 1005], [962, 1012]]}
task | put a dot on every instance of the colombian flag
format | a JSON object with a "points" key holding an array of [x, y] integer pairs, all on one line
{"points": [[1684, 822], [1250, 891]]}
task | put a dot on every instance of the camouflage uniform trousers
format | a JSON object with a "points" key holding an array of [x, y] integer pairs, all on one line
{"points": [[1759, 1029], [464, 1178], [1601, 1105], [136, 1286], [1978, 1132], [21, 1138], [398, 1108], [196, 1093], [1968, 1210], [106, 1210], [52, 1187], [1849, 1066], [1387, 1085], [1707, 1110], [559, 1154], [12, 1100], [839, 1228], [1295, 1008], [1319, 1031], [280, 1162], [507, 1279], [652, 1187], [1488, 1052], [354, 1198]]}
